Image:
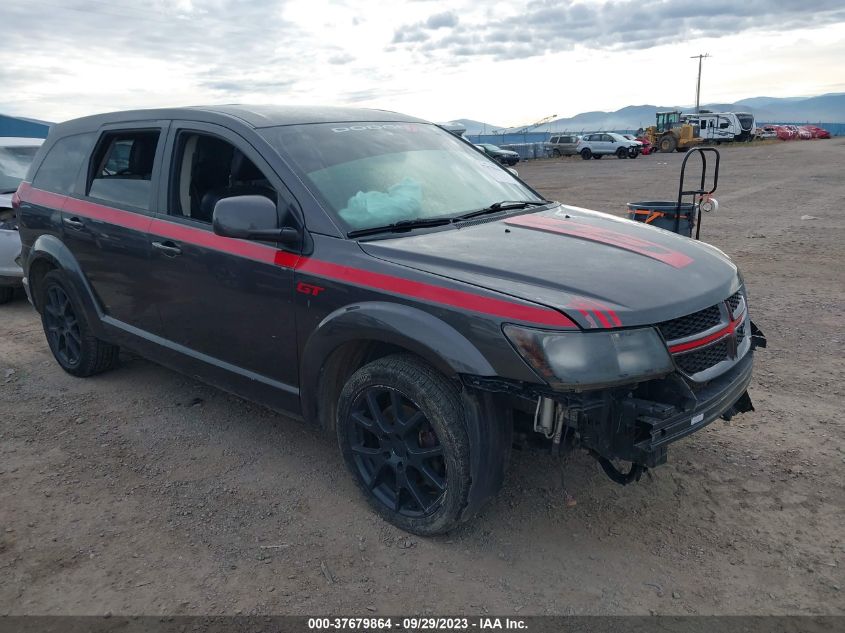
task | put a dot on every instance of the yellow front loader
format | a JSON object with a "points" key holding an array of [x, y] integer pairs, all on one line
{"points": [[670, 134]]}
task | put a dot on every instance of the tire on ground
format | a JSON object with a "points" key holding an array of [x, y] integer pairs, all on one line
{"points": [[439, 401], [95, 356], [668, 143], [586, 153]]}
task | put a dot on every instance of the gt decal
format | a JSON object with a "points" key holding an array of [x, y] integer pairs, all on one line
{"points": [[309, 289]]}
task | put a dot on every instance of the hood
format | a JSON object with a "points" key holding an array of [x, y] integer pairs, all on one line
{"points": [[600, 270]]}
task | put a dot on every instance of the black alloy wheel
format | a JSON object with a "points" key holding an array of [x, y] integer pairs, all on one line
{"points": [[402, 431], [396, 452], [62, 327], [74, 345]]}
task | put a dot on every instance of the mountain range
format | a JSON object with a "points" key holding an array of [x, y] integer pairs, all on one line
{"points": [[828, 108]]}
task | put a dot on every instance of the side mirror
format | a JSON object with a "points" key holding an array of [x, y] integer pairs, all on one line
{"points": [[250, 218]]}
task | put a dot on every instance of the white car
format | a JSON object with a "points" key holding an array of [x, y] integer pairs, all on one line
{"points": [[15, 156], [600, 144]]}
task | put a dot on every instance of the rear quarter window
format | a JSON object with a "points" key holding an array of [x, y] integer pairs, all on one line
{"points": [[122, 168], [60, 166]]}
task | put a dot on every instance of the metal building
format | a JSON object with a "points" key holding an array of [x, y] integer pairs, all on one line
{"points": [[19, 126]]}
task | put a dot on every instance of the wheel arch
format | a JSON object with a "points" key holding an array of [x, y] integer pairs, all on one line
{"points": [[50, 253], [352, 336]]}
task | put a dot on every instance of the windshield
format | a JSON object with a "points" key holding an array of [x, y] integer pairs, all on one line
{"points": [[14, 161], [373, 174]]}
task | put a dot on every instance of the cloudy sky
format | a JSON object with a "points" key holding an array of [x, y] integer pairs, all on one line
{"points": [[505, 63]]}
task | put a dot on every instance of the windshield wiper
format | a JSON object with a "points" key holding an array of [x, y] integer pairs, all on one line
{"points": [[402, 225], [504, 205], [407, 225]]}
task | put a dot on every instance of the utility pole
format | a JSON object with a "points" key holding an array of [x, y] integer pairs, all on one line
{"points": [[698, 85]]}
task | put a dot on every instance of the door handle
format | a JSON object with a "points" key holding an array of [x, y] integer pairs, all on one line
{"points": [[170, 249], [74, 223]]}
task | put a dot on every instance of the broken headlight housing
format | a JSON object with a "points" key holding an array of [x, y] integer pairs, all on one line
{"points": [[577, 361]]}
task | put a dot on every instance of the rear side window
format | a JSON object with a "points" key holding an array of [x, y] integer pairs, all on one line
{"points": [[60, 166], [122, 168]]}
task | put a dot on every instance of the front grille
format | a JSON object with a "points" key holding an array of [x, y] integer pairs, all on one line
{"points": [[691, 324], [733, 301], [701, 359]]}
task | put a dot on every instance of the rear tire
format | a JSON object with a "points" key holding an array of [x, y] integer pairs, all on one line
{"points": [[401, 429], [69, 336], [586, 154], [7, 293]]}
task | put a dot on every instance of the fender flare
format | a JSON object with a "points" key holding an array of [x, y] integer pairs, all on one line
{"points": [[51, 249], [416, 330]]}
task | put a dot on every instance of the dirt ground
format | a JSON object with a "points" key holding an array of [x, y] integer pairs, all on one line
{"points": [[143, 491]]}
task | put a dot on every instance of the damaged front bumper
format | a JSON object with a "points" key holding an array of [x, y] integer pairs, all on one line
{"points": [[633, 423], [643, 429]]}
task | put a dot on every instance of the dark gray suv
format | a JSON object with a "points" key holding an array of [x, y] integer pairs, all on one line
{"points": [[373, 274]]}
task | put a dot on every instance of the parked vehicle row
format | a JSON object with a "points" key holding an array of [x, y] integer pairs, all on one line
{"points": [[791, 132], [373, 274], [597, 145]]}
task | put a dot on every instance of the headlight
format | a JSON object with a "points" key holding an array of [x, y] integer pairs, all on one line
{"points": [[589, 360]]}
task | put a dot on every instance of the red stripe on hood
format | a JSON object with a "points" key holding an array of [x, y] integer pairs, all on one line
{"points": [[605, 236]]}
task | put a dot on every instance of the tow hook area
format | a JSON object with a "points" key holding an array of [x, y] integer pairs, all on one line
{"points": [[740, 406], [758, 339], [617, 475]]}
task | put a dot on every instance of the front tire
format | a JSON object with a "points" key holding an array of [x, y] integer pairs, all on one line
{"points": [[69, 336], [668, 144], [402, 433], [622, 152]]}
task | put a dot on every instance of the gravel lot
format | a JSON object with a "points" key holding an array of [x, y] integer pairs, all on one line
{"points": [[142, 491]]}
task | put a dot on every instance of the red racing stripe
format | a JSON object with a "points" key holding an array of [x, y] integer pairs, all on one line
{"points": [[604, 236], [44, 198], [502, 308], [436, 294]]}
